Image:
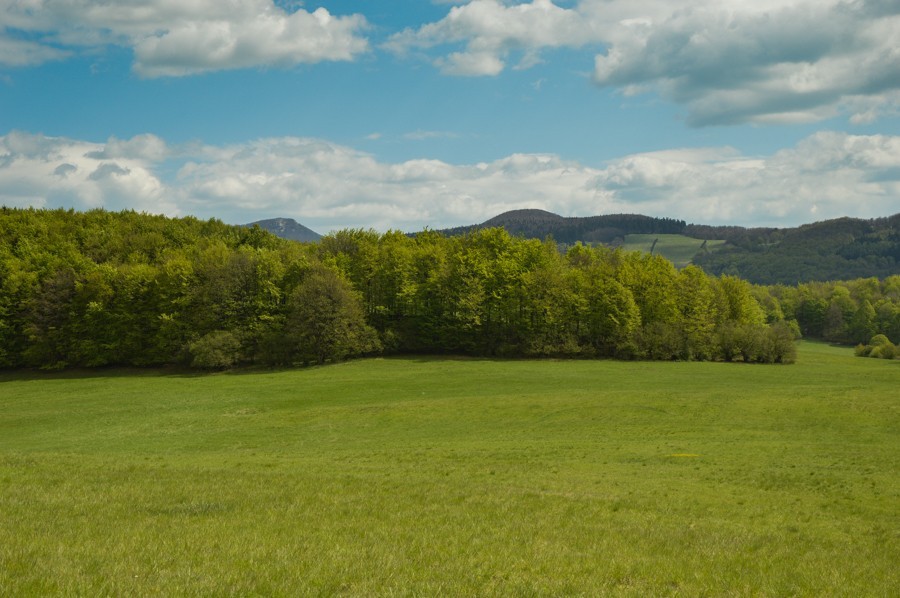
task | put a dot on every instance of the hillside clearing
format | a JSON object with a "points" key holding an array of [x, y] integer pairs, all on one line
{"points": [[678, 249]]}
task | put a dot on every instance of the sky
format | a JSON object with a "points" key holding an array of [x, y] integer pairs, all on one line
{"points": [[413, 114]]}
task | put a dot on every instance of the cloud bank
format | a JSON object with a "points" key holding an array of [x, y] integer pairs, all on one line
{"points": [[725, 61], [179, 38], [328, 186]]}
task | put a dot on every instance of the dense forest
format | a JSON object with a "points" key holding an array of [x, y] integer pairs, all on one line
{"points": [[841, 249], [844, 312], [101, 288]]}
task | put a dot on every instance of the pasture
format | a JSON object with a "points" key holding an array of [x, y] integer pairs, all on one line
{"points": [[678, 249], [412, 476]]}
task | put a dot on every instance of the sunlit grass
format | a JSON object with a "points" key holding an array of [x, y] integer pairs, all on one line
{"points": [[474, 477], [678, 249]]}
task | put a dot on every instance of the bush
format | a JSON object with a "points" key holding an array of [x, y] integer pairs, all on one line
{"points": [[780, 345], [884, 351], [880, 346], [879, 339], [217, 350], [659, 341]]}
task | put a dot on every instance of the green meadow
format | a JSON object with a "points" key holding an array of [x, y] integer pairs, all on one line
{"points": [[678, 249], [438, 476]]}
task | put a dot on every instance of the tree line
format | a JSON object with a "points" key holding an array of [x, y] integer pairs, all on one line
{"points": [[845, 312], [98, 288]]}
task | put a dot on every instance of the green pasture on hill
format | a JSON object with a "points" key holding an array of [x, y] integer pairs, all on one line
{"points": [[678, 249], [438, 476]]}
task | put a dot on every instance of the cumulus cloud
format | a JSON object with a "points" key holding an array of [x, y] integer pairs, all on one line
{"points": [[269, 38], [733, 62], [181, 38], [827, 175], [491, 30], [726, 61], [140, 147], [328, 186], [41, 171]]}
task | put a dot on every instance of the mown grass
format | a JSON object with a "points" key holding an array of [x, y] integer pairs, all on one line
{"points": [[455, 477], [678, 249]]}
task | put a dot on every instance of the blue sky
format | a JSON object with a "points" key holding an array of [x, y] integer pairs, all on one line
{"points": [[408, 114]]}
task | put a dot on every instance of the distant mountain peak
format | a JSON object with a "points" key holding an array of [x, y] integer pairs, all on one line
{"points": [[540, 224], [532, 215], [287, 228]]}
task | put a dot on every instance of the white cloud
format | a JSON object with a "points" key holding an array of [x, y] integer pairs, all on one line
{"points": [[471, 64], [732, 62], [491, 30], [172, 38], [726, 61], [15, 52], [140, 147], [54, 172], [827, 175], [328, 186], [270, 38]]}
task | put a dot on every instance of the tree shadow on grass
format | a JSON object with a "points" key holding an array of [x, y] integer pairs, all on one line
{"points": [[28, 374]]}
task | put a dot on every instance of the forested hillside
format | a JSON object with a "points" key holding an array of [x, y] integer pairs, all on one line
{"points": [[100, 288], [609, 229], [841, 249]]}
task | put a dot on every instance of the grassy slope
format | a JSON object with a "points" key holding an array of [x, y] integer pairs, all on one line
{"points": [[678, 249], [456, 476]]}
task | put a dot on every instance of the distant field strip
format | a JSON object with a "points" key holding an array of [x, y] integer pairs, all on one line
{"points": [[431, 476], [678, 249]]}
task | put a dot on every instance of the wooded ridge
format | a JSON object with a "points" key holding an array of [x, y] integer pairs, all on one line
{"points": [[839, 249]]}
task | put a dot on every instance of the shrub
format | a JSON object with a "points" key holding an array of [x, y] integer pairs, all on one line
{"points": [[780, 343], [884, 351], [879, 340], [660, 341], [217, 350], [880, 346]]}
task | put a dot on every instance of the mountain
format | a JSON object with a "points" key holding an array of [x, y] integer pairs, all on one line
{"points": [[539, 224], [839, 249], [287, 228]]}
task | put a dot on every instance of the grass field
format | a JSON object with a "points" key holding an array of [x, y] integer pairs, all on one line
{"points": [[678, 249], [456, 477]]}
